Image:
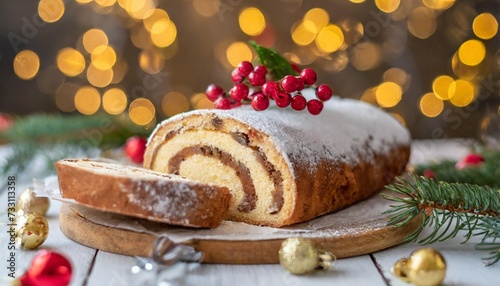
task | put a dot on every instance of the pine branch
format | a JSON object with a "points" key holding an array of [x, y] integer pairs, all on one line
{"points": [[274, 62], [487, 174], [54, 137], [447, 208]]}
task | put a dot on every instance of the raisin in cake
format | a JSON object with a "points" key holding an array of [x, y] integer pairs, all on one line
{"points": [[282, 166], [142, 193]]}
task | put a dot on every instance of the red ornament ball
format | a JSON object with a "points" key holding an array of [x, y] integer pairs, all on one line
{"points": [[471, 160], [134, 149], [48, 268]]}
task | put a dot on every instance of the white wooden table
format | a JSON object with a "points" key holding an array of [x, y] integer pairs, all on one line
{"points": [[94, 267]]}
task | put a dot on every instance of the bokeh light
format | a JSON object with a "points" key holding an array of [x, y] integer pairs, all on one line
{"points": [[141, 111], [430, 105], [114, 101], [462, 70], [94, 38], [365, 56], [485, 26], [98, 77], [87, 100], [329, 39], [151, 61], [398, 76], [173, 103], [439, 4], [461, 93], [422, 22], [70, 62], [399, 118], [163, 33], [472, 52], [388, 94], [50, 10], [318, 17], [157, 15], [206, 8], [103, 57], [26, 64], [303, 33], [387, 6], [441, 87], [252, 22], [65, 97], [238, 52]]}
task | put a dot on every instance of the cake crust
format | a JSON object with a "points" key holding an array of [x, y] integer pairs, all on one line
{"points": [[142, 193], [297, 174]]}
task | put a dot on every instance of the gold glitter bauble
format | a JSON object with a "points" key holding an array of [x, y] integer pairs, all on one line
{"points": [[31, 230], [426, 267], [299, 256], [29, 202], [399, 269]]}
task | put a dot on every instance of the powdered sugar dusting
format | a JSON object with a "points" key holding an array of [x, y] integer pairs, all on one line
{"points": [[340, 132]]}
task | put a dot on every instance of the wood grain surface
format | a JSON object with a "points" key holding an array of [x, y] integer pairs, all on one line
{"points": [[340, 240]]}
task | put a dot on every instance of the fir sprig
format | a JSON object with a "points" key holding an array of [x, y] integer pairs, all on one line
{"points": [[486, 174], [54, 137], [275, 63], [447, 208]]}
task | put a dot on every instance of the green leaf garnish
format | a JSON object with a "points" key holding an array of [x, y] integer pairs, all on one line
{"points": [[277, 65]]}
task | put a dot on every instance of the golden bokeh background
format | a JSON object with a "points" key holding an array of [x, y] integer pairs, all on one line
{"points": [[432, 64]]}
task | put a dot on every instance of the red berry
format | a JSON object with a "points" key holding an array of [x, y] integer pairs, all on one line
{"points": [[239, 91], [309, 76], [298, 102], [256, 79], [260, 69], [324, 92], [289, 83], [314, 106], [213, 92], [236, 77], [244, 68], [260, 102], [270, 89], [295, 67], [429, 174], [471, 160], [235, 104], [6, 121], [283, 99], [300, 84], [222, 103], [134, 148]]}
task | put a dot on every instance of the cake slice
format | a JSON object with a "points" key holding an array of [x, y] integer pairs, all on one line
{"points": [[142, 193], [282, 166]]}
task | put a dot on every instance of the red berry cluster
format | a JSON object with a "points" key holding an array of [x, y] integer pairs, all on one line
{"points": [[285, 92]]}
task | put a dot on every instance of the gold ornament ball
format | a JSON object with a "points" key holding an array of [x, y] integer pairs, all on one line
{"points": [[298, 255], [29, 202], [426, 267], [31, 231], [399, 269]]}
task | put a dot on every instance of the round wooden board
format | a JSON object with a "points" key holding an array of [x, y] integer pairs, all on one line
{"points": [[361, 236]]}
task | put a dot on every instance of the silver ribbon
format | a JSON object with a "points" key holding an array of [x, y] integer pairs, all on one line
{"points": [[167, 266]]}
